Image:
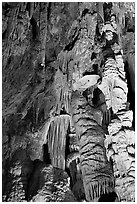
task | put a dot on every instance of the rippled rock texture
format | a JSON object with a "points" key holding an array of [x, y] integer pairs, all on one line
{"points": [[68, 76]]}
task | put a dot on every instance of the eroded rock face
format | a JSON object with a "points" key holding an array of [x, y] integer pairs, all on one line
{"points": [[49, 184], [68, 72], [120, 145], [19, 173]]}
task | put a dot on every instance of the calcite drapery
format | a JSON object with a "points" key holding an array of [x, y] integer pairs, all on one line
{"points": [[28, 27], [63, 93], [56, 138]]}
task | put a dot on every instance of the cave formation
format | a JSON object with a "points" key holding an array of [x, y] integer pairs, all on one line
{"points": [[68, 94]]}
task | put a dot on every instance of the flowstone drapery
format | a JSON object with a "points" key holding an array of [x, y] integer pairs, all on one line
{"points": [[67, 78]]}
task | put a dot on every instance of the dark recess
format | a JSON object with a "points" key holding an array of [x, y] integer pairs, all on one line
{"points": [[131, 93], [46, 155], [35, 28], [110, 197]]}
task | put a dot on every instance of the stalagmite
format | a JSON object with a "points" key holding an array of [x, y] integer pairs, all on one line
{"points": [[96, 171], [67, 68], [78, 99], [87, 118], [114, 89], [119, 148]]}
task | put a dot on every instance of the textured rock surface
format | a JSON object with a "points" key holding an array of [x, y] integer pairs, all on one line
{"points": [[49, 184], [120, 150], [120, 145], [19, 172], [68, 68], [56, 137], [96, 171]]}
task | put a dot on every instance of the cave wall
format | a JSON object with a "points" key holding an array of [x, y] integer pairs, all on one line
{"points": [[28, 93], [39, 40]]}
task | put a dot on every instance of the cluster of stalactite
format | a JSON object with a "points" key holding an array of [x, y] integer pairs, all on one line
{"points": [[88, 137], [99, 109], [62, 150], [78, 97]]}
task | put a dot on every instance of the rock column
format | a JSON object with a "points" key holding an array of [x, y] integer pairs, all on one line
{"points": [[120, 141]]}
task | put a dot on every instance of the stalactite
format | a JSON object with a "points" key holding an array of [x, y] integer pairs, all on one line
{"points": [[57, 134], [91, 112], [44, 34], [11, 25], [45, 130], [23, 6], [71, 157], [74, 143], [100, 11], [87, 118], [30, 9], [63, 93]]}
